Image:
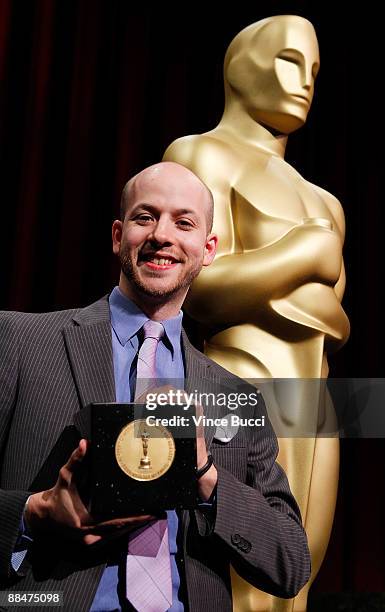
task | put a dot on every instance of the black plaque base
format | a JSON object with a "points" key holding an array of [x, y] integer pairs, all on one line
{"points": [[112, 492]]}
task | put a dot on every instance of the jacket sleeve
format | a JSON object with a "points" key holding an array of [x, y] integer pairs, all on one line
{"points": [[259, 521], [11, 502]]}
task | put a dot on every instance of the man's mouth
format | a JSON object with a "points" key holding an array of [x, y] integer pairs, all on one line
{"points": [[158, 261]]}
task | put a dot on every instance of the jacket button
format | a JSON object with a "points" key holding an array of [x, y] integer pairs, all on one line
{"points": [[235, 538], [247, 547]]}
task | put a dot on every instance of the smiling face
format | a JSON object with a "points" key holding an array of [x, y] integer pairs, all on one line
{"points": [[164, 240], [271, 67]]}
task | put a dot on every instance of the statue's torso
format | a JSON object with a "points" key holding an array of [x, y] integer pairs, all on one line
{"points": [[258, 199], [269, 198]]}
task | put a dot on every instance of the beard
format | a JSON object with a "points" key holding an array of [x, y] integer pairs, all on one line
{"points": [[181, 283]]}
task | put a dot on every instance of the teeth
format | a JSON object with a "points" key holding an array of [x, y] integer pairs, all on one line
{"points": [[162, 261]]}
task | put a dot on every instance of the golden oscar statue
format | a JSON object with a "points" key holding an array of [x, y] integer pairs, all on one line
{"points": [[271, 302]]}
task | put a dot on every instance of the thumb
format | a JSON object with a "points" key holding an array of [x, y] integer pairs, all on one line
{"points": [[77, 456]]}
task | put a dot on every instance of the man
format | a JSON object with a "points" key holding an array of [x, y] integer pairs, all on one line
{"points": [[53, 364]]}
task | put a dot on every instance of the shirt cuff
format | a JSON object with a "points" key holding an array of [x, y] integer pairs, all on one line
{"points": [[23, 542], [210, 503]]}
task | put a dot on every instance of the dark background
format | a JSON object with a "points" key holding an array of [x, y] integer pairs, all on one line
{"points": [[93, 91]]}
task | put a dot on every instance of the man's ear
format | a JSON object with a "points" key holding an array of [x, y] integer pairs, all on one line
{"points": [[117, 228], [210, 249]]}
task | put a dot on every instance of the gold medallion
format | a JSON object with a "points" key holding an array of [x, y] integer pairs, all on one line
{"points": [[144, 452]]}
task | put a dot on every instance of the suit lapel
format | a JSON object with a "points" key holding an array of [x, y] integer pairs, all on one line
{"points": [[200, 378], [89, 347]]}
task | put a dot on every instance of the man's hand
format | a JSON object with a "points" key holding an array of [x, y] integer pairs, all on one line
{"points": [[208, 481], [61, 508]]}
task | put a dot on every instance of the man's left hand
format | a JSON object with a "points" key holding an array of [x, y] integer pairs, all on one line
{"points": [[207, 482]]}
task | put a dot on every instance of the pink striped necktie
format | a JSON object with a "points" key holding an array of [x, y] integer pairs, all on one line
{"points": [[146, 366], [149, 584]]}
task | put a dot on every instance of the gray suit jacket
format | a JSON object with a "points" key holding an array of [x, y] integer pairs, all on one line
{"points": [[53, 364]]}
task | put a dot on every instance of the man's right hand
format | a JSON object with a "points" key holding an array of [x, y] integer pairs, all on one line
{"points": [[61, 508]]}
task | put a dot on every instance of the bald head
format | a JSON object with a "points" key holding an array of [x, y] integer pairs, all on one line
{"points": [[170, 174]]}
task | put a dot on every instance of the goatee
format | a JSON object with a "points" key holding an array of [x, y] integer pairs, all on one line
{"points": [[132, 276]]}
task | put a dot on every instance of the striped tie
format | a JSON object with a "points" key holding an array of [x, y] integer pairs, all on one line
{"points": [[149, 584], [146, 367]]}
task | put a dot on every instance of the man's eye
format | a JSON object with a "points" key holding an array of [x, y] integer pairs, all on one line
{"points": [[143, 218], [185, 223]]}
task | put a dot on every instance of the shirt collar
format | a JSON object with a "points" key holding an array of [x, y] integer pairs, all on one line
{"points": [[127, 319]]}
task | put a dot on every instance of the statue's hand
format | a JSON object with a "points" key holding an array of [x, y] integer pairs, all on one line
{"points": [[317, 250]]}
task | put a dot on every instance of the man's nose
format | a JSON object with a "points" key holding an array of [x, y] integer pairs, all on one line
{"points": [[161, 232]]}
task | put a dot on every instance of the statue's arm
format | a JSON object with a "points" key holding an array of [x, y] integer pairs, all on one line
{"points": [[239, 284], [339, 226]]}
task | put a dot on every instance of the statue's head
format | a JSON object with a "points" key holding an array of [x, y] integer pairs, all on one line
{"points": [[270, 67]]}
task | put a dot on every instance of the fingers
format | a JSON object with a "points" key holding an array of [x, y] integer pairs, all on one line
{"points": [[198, 410], [121, 522], [200, 437], [113, 528], [91, 539], [67, 471], [75, 459], [200, 432], [116, 523]]}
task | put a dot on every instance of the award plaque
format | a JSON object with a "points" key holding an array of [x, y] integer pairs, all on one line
{"points": [[133, 455], [141, 461]]}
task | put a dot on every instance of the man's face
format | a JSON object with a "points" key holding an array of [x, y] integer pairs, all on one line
{"points": [[163, 242], [274, 73]]}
